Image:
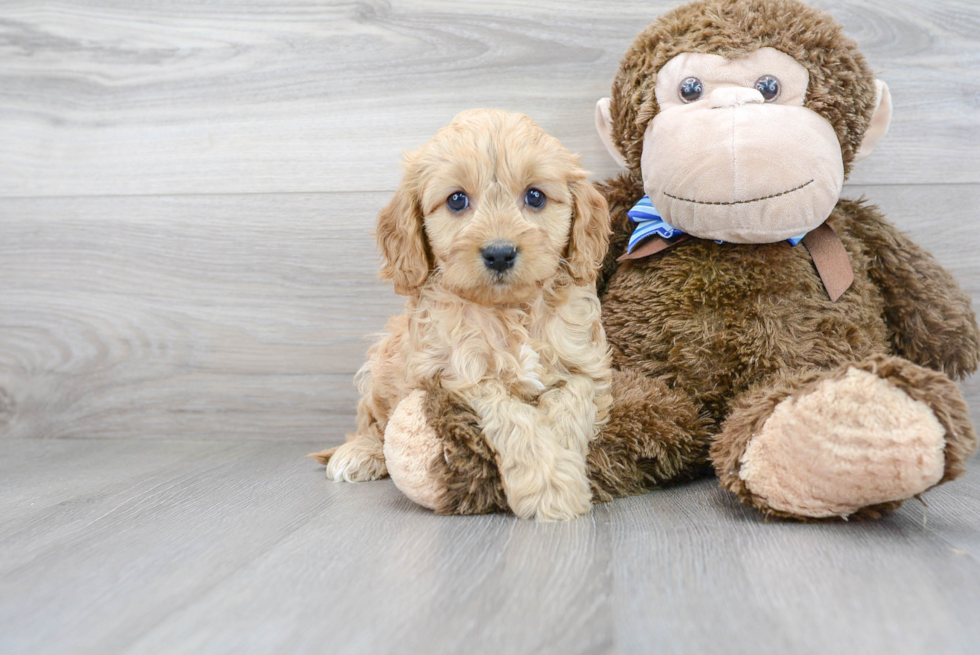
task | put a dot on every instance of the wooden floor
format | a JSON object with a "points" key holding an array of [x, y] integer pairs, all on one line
{"points": [[168, 546], [187, 285]]}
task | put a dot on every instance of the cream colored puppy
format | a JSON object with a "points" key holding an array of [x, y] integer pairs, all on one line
{"points": [[495, 236]]}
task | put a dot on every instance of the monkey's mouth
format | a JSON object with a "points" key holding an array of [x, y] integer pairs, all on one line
{"points": [[740, 202]]}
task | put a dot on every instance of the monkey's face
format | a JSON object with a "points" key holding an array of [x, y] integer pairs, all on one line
{"points": [[734, 155]]}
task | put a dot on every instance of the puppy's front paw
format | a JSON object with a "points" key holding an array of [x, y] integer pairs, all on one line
{"points": [[358, 460], [561, 494]]}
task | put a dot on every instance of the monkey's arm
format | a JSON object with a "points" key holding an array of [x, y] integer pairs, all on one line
{"points": [[930, 321]]}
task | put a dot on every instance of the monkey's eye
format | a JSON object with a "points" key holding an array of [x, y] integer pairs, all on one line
{"points": [[768, 86], [457, 202], [691, 89], [534, 198]]}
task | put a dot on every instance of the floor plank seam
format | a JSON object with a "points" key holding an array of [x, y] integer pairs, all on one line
{"points": [[387, 190]]}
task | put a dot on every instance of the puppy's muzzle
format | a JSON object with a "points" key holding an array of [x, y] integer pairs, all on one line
{"points": [[499, 256]]}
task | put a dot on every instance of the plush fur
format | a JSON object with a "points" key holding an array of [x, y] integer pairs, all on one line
{"points": [[730, 324], [660, 426], [409, 458], [710, 338], [524, 347], [841, 87], [930, 390], [467, 470], [464, 472]]}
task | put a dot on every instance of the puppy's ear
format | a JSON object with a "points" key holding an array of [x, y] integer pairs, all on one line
{"points": [[401, 239], [590, 232]]}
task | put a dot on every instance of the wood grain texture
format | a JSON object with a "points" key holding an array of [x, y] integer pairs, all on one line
{"points": [[246, 548], [187, 286], [889, 586], [238, 317], [115, 97], [246, 316]]}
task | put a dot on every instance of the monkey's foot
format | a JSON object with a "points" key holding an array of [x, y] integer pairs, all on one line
{"points": [[859, 440], [437, 455], [411, 450]]}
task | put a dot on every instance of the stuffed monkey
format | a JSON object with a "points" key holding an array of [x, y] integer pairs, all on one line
{"points": [[793, 342]]}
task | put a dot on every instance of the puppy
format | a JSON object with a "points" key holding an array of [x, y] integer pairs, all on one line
{"points": [[495, 236]]}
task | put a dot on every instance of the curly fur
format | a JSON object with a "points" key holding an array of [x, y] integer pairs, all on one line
{"points": [[525, 347], [653, 436], [718, 332]]}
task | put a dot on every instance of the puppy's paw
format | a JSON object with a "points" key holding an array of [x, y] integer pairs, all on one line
{"points": [[560, 494], [357, 460]]}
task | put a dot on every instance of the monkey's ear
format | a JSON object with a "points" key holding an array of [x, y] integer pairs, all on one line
{"points": [[401, 239], [603, 123], [880, 121], [590, 232]]}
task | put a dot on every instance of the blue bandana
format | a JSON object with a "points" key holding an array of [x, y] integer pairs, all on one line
{"points": [[649, 223]]}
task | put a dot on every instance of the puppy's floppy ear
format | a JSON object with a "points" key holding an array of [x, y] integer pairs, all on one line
{"points": [[590, 232], [401, 238]]}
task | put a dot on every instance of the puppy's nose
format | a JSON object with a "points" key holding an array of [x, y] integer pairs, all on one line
{"points": [[499, 256]]}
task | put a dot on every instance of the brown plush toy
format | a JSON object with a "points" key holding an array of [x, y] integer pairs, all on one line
{"points": [[814, 379]]}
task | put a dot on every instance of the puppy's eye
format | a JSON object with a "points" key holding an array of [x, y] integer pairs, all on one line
{"points": [[534, 198], [768, 86], [457, 202], [691, 89]]}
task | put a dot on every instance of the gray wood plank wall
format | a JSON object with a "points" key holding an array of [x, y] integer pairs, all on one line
{"points": [[187, 190]]}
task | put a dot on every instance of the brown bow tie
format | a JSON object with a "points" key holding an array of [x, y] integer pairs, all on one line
{"points": [[828, 254]]}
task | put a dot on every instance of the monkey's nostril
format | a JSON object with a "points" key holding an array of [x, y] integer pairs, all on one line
{"points": [[499, 257]]}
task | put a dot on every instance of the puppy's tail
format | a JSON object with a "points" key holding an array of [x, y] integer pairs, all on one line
{"points": [[324, 455]]}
